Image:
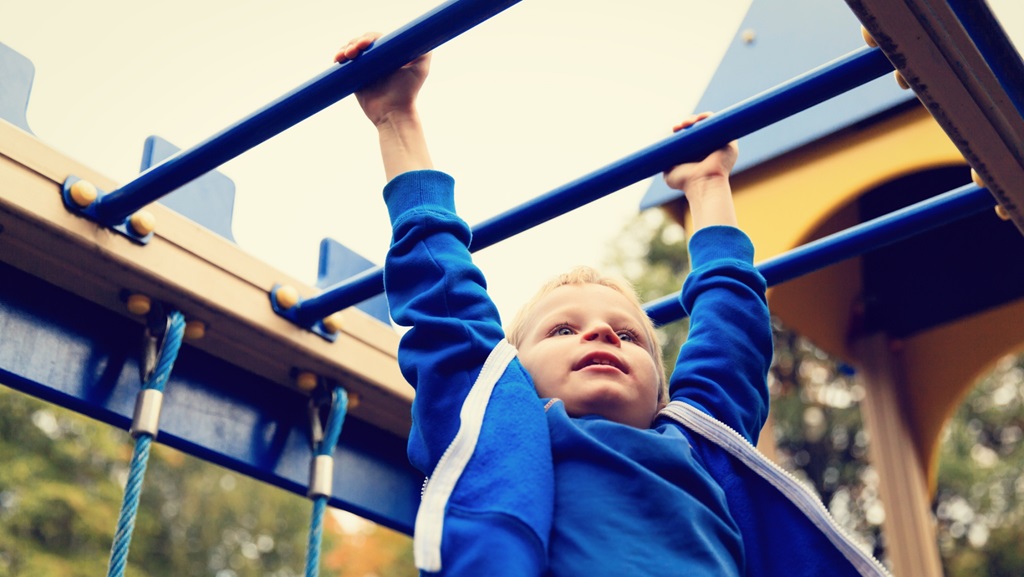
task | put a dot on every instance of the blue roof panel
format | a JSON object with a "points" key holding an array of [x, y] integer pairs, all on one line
{"points": [[779, 40]]}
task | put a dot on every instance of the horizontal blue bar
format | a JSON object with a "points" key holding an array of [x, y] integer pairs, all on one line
{"points": [[915, 219], [389, 53], [812, 88]]}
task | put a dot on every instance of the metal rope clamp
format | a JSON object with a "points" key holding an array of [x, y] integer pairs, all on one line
{"points": [[321, 468], [148, 403]]}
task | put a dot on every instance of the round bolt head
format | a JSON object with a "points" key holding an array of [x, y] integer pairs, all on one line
{"points": [[139, 304], [901, 81], [976, 178], [143, 222], [83, 193], [332, 323], [1002, 213], [287, 296], [306, 381], [868, 38], [353, 400], [195, 330]]}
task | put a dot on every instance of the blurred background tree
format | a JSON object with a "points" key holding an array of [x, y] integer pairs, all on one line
{"points": [[820, 436], [61, 486]]}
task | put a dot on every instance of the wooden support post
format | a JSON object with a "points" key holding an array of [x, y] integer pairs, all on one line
{"points": [[909, 528]]}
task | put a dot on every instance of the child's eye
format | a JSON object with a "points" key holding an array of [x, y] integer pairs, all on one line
{"points": [[561, 331], [628, 336]]}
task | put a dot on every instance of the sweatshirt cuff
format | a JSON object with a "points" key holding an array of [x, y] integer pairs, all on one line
{"points": [[720, 242], [419, 189]]}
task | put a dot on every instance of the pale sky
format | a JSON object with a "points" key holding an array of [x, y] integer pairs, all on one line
{"points": [[530, 100]]}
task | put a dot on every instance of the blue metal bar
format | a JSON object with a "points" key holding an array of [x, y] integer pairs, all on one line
{"points": [[755, 113], [389, 53], [998, 51], [915, 219]]}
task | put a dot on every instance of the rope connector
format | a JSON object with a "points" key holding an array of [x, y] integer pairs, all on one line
{"points": [[157, 326], [146, 419], [319, 409], [327, 408], [149, 402], [321, 476]]}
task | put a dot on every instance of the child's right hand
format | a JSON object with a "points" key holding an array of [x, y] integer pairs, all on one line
{"points": [[716, 165], [706, 182], [393, 94]]}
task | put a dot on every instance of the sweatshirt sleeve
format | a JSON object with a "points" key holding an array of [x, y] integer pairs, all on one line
{"points": [[722, 368], [477, 420]]}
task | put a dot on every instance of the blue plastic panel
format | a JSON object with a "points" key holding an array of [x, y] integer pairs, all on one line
{"points": [[339, 263], [208, 200], [75, 354], [16, 75], [789, 37]]}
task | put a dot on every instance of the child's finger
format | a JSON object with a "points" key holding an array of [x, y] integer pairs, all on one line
{"points": [[355, 47], [690, 121]]}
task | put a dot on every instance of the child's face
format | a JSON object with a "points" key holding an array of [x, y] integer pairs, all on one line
{"points": [[586, 346]]}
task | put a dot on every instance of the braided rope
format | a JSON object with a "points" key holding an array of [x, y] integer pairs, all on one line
{"points": [[339, 407], [316, 534], [140, 456]]}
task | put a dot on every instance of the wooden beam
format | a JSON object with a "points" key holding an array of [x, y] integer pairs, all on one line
{"points": [[192, 269], [909, 530], [939, 56]]}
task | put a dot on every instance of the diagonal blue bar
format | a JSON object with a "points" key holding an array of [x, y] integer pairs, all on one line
{"points": [[389, 53], [755, 113], [915, 219]]}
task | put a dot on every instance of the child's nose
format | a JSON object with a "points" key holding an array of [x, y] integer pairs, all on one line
{"points": [[602, 331]]}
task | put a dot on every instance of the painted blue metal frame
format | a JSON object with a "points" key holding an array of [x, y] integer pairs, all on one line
{"points": [[66, 350], [951, 206], [997, 50], [390, 52], [755, 113]]}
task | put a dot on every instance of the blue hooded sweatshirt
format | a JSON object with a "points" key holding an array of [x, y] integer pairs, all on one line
{"points": [[518, 487]]}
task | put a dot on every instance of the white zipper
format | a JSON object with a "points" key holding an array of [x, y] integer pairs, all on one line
{"points": [[437, 489], [791, 487]]}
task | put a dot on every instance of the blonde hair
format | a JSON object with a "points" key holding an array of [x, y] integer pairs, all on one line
{"points": [[582, 275]]}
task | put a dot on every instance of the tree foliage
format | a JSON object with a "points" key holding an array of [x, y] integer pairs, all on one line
{"points": [[820, 436], [61, 486], [980, 497]]}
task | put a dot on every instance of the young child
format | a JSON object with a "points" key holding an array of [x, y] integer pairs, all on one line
{"points": [[546, 453]]}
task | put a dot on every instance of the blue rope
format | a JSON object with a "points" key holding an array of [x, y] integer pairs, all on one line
{"points": [[339, 407], [140, 457]]}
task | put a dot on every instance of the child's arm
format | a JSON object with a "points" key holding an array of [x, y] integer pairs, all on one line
{"points": [[476, 419], [723, 365], [390, 104]]}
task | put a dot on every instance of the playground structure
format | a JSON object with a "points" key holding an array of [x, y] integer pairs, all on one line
{"points": [[241, 391], [924, 318]]}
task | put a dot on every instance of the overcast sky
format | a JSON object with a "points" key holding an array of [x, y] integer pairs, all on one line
{"points": [[534, 98]]}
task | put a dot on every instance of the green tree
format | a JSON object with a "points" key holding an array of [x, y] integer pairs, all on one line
{"points": [[979, 503], [61, 488]]}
